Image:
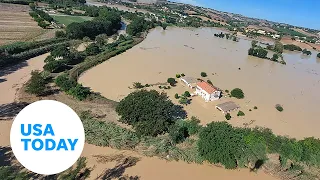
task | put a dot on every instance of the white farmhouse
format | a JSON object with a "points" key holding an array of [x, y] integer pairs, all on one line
{"points": [[207, 91], [261, 32]]}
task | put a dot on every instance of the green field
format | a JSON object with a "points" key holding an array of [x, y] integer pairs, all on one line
{"points": [[66, 20]]}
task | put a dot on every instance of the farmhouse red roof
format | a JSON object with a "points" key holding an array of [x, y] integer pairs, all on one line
{"points": [[206, 87]]}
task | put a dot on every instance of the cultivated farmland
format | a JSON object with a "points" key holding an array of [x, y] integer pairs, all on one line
{"points": [[16, 24]]}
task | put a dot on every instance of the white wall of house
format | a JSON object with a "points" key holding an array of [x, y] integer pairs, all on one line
{"points": [[206, 96]]}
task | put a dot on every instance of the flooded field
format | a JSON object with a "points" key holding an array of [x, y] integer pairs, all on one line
{"points": [[190, 51]]}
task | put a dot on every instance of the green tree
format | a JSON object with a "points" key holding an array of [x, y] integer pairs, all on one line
{"points": [[79, 92], [178, 133], [318, 55], [279, 107], [178, 75], [149, 112], [187, 94], [240, 113], [176, 96], [208, 81], [203, 74], [60, 51], [137, 85], [92, 49], [228, 116], [275, 57], [220, 143], [254, 43], [81, 171], [36, 84], [100, 40], [171, 81], [64, 82], [60, 34], [237, 93], [137, 26], [184, 100], [54, 66], [278, 47]]}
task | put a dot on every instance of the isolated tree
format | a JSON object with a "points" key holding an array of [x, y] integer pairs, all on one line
{"points": [[203, 74], [176, 96], [318, 55], [149, 112], [240, 113], [36, 84], [228, 116], [172, 81], [237, 93]]}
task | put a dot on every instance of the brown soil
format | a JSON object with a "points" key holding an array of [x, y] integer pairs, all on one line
{"points": [[16, 24]]}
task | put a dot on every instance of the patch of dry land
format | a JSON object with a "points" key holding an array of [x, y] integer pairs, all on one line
{"points": [[190, 51], [103, 160], [16, 24]]}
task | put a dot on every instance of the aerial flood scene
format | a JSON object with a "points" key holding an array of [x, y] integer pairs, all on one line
{"points": [[167, 89]]}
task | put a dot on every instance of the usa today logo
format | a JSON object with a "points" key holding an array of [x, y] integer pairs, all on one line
{"points": [[47, 137]]}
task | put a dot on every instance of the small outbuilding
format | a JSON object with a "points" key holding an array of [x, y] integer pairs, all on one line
{"points": [[227, 107], [189, 81]]}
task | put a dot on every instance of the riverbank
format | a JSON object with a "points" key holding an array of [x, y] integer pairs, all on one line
{"points": [[191, 51]]}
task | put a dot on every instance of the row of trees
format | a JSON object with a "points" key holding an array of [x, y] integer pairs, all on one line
{"points": [[236, 147], [292, 47], [41, 17]]}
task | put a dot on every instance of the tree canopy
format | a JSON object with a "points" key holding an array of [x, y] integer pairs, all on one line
{"points": [[149, 112], [237, 93]]}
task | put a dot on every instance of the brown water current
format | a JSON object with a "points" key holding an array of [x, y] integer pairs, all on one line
{"points": [[190, 51]]}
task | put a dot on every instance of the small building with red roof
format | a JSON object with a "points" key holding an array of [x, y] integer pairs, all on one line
{"points": [[207, 91]]}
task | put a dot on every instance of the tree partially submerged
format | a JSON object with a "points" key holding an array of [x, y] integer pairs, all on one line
{"points": [[149, 112]]}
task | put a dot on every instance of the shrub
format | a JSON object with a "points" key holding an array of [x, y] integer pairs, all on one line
{"points": [[306, 52], [171, 81], [176, 96], [60, 51], [149, 112], [183, 100], [318, 55], [228, 116], [208, 81], [54, 66], [227, 91], [255, 107], [185, 75], [79, 92], [240, 113], [203, 74], [275, 57], [279, 107], [160, 87], [65, 83], [37, 84], [137, 85], [60, 34], [178, 133], [147, 85], [250, 110], [237, 93], [178, 75], [187, 94]]}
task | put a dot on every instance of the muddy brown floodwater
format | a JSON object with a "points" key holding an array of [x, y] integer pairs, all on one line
{"points": [[190, 51]]}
